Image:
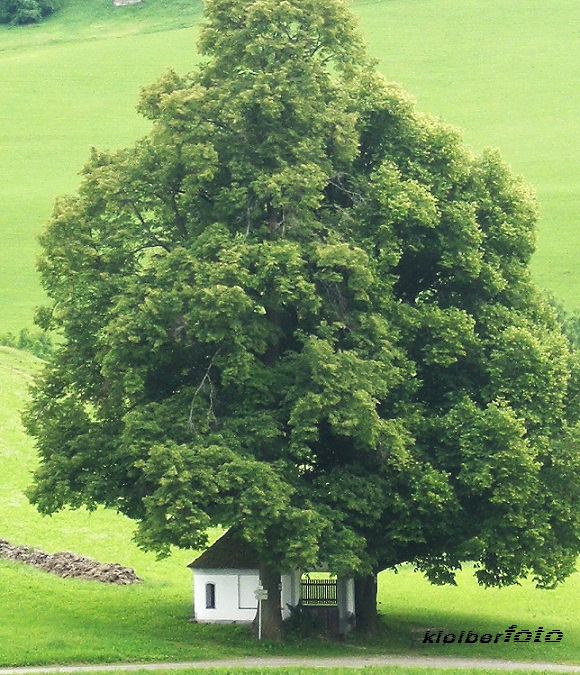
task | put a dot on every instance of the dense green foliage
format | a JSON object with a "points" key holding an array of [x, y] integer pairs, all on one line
{"points": [[570, 324], [512, 92], [47, 620], [21, 12], [37, 342], [303, 308]]}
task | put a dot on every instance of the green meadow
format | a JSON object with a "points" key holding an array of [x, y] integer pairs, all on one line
{"points": [[67, 87], [505, 71], [394, 670]]}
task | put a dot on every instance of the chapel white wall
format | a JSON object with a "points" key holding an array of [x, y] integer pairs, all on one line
{"points": [[234, 594], [232, 588]]}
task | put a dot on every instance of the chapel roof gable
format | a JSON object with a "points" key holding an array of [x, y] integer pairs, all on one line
{"points": [[230, 551]]}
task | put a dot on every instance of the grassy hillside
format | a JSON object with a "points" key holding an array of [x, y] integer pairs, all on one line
{"points": [[506, 72], [369, 670], [103, 535], [45, 619], [86, 20], [68, 86], [337, 670]]}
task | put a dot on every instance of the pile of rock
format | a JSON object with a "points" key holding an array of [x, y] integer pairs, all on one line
{"points": [[68, 564]]}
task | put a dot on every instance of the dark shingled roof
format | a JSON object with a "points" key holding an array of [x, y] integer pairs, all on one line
{"points": [[231, 551]]}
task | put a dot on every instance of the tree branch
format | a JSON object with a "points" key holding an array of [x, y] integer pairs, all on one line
{"points": [[206, 378]]}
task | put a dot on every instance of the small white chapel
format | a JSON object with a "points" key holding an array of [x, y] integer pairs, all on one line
{"points": [[226, 580]]}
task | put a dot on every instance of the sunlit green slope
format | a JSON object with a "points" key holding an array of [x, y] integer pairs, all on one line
{"points": [[506, 72]]}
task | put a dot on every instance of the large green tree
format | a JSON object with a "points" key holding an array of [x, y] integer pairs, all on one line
{"points": [[302, 308]]}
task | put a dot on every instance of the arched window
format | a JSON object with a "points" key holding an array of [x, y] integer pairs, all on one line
{"points": [[210, 596]]}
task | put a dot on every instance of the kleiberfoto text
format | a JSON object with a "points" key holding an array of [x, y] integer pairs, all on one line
{"points": [[512, 634]]}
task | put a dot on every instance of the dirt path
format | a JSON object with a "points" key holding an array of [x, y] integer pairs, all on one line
{"points": [[284, 662]]}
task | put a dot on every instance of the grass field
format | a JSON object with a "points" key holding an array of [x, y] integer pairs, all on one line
{"points": [[45, 619], [505, 70], [508, 77], [369, 670], [58, 100]]}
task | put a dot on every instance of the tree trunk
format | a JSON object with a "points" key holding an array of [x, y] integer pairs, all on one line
{"points": [[365, 602], [270, 581]]}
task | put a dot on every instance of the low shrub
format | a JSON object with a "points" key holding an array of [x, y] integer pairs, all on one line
{"points": [[21, 12], [38, 343]]}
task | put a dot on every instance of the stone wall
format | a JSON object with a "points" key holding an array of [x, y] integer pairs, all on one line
{"points": [[68, 564]]}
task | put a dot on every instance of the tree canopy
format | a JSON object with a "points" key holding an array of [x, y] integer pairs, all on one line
{"points": [[301, 307], [21, 12]]}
